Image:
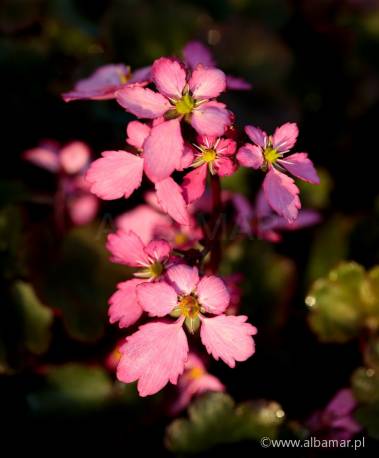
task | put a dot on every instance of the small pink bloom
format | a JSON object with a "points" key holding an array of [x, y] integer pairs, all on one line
{"points": [[336, 421], [151, 260], [82, 208], [194, 381], [195, 53], [179, 97], [191, 299], [69, 164], [267, 153], [105, 81], [259, 220], [213, 154], [119, 173]]}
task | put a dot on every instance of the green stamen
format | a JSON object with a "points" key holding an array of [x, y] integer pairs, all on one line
{"points": [[185, 105]]}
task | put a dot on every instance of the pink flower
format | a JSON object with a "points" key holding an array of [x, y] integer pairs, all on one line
{"points": [[151, 260], [214, 155], [69, 164], [267, 153], [260, 221], [194, 381], [158, 351], [119, 173], [195, 53], [149, 222], [105, 81], [113, 358], [178, 97], [336, 421]]}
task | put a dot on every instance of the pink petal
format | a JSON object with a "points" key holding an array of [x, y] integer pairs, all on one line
{"points": [[183, 278], [143, 220], [157, 299], [305, 219], [226, 147], [194, 183], [43, 157], [250, 156], [262, 207], [244, 213], [207, 83], [124, 306], [343, 403], [101, 85], [195, 53], [142, 102], [282, 194], [228, 338], [169, 77], [158, 250], [141, 75], [236, 83], [225, 167], [83, 208], [257, 135], [116, 174], [74, 157], [137, 133], [285, 137], [127, 248], [211, 118], [163, 150], [301, 166], [154, 355], [171, 201], [195, 387], [187, 158], [213, 294]]}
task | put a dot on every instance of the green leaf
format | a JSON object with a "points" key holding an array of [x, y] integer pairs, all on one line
{"points": [[78, 279], [337, 308], [35, 317], [215, 419], [329, 247], [72, 388], [368, 417], [365, 384]]}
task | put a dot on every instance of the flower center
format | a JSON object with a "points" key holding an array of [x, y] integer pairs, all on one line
{"points": [[271, 155], [195, 373], [156, 269], [180, 239], [152, 271], [185, 105], [209, 155], [189, 307]]}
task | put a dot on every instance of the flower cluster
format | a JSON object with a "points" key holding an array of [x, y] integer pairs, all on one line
{"points": [[184, 137]]}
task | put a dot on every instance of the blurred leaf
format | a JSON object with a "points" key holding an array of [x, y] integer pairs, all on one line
{"points": [[336, 304], [78, 279], [329, 247], [215, 419], [72, 388], [368, 417], [11, 252], [365, 384], [317, 197], [35, 317]]}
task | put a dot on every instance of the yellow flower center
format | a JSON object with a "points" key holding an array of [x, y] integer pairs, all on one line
{"points": [[195, 373], [180, 239], [209, 155], [271, 155], [189, 307], [156, 269], [185, 105]]}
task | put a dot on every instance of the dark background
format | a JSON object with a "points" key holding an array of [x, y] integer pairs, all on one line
{"points": [[312, 61]]}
